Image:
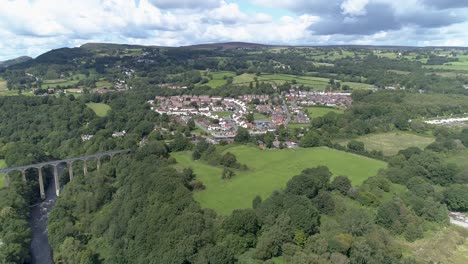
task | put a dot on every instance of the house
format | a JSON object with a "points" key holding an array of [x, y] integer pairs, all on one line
{"points": [[465, 86]]}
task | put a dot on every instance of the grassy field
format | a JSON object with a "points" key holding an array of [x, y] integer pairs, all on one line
{"points": [[219, 78], [100, 109], [104, 84], [391, 143], [448, 245], [459, 157], [318, 111], [461, 65], [2, 176], [316, 82], [223, 114], [268, 171]]}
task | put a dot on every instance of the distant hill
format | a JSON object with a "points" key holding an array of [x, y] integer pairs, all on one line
{"points": [[8, 63], [229, 45], [110, 46]]}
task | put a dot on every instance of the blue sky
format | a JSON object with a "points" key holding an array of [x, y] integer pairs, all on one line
{"points": [[31, 27]]}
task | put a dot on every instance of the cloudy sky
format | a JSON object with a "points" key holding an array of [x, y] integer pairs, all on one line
{"points": [[31, 27]]}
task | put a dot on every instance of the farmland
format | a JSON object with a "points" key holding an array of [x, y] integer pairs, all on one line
{"points": [[100, 109], [461, 65], [459, 157], [269, 171], [317, 111], [316, 82], [391, 143], [219, 79]]}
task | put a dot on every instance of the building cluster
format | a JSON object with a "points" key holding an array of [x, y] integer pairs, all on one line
{"points": [[311, 98], [277, 113]]}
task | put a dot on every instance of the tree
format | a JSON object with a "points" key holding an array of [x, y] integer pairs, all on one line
{"points": [[341, 184], [179, 143], [250, 117], [242, 222], [311, 139], [309, 182], [242, 135], [229, 160], [256, 202], [456, 198], [356, 145], [227, 174]]}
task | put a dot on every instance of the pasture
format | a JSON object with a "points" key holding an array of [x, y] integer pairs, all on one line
{"points": [[319, 111], [219, 79], [316, 82], [459, 157], [2, 176], [460, 65], [269, 170], [223, 114], [100, 109], [391, 143]]}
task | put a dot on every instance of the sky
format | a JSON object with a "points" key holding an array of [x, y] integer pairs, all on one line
{"points": [[32, 27]]}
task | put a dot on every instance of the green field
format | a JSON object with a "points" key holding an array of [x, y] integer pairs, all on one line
{"points": [[279, 79], [318, 111], [103, 84], [100, 109], [391, 143], [219, 78], [460, 65], [2, 176], [223, 114], [459, 157], [269, 170]]}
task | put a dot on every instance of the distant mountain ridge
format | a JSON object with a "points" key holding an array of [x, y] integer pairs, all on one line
{"points": [[8, 63], [229, 45]]}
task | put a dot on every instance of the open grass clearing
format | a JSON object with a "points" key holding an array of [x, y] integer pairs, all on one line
{"points": [[459, 157], [447, 245], [104, 84], [460, 65], [392, 142], [100, 109], [223, 114], [319, 111], [269, 170]]}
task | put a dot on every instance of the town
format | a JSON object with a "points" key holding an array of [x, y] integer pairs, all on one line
{"points": [[221, 117]]}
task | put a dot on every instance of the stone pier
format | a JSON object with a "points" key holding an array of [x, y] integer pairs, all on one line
{"points": [[56, 180], [7, 180], [70, 169], [98, 166], [41, 183], [85, 168]]}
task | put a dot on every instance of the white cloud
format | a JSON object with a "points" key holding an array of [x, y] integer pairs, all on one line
{"points": [[31, 27], [354, 7]]}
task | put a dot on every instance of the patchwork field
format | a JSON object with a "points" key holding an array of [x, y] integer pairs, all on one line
{"points": [[461, 65], [100, 109], [2, 176], [391, 143], [268, 171], [317, 111], [316, 82], [219, 78]]}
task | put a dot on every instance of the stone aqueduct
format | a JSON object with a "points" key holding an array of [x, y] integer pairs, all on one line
{"points": [[55, 164]]}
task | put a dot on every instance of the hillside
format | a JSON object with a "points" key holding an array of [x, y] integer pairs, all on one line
{"points": [[8, 63]]}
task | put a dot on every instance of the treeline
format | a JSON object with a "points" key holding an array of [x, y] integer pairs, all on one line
{"points": [[138, 208]]}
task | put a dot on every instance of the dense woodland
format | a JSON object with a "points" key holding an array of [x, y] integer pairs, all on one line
{"points": [[139, 208]]}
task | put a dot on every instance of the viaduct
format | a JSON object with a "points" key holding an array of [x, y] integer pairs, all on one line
{"points": [[55, 165]]}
